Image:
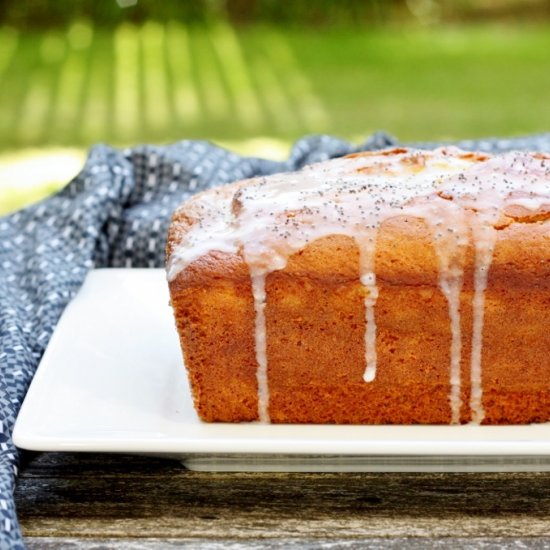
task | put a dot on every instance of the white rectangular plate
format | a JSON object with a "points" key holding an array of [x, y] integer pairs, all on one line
{"points": [[112, 380]]}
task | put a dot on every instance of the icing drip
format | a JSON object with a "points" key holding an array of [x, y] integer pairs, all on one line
{"points": [[485, 240], [450, 237], [451, 289], [258, 292], [461, 197], [367, 254]]}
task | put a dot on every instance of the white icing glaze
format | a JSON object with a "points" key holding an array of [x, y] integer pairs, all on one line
{"points": [[258, 292], [367, 276], [485, 239], [451, 289], [461, 197]]}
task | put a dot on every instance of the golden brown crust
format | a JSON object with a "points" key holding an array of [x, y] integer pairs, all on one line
{"points": [[216, 327]]}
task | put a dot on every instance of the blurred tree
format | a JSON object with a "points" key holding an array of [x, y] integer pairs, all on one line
{"points": [[58, 13]]}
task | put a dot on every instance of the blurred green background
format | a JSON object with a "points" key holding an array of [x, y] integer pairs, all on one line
{"points": [[254, 75]]}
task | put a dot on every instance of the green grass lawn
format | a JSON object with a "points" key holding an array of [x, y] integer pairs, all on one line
{"points": [[160, 83], [441, 84], [165, 82]]}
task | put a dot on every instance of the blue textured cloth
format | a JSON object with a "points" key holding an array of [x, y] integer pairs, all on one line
{"points": [[115, 213]]}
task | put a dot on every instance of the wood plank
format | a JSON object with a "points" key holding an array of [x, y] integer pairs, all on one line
{"points": [[116, 496], [323, 544]]}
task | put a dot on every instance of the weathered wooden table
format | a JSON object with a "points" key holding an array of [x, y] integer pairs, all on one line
{"points": [[101, 501]]}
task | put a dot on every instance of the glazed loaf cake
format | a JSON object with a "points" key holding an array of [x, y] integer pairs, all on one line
{"points": [[402, 286]]}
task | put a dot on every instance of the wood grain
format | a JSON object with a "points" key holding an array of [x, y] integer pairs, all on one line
{"points": [[92, 501], [323, 544]]}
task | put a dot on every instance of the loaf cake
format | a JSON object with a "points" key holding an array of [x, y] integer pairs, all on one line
{"points": [[394, 287]]}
